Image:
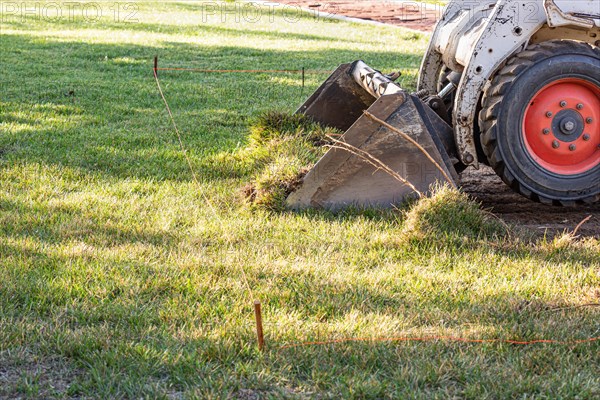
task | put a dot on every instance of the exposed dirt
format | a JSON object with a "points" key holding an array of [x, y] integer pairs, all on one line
{"points": [[539, 219], [414, 15], [24, 375]]}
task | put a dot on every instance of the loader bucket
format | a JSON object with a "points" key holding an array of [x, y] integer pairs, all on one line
{"points": [[344, 176]]}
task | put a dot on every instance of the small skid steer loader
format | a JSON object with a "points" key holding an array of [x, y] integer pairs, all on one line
{"points": [[512, 84]]}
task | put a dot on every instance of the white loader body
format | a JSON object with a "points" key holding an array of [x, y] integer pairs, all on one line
{"points": [[477, 37]]}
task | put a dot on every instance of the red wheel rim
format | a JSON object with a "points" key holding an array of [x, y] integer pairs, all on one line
{"points": [[561, 128]]}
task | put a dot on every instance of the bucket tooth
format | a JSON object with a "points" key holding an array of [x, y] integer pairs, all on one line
{"points": [[343, 178]]}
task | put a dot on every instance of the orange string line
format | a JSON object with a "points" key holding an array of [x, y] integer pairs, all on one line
{"points": [[441, 338], [246, 71]]}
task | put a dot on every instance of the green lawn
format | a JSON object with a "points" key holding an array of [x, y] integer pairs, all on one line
{"points": [[119, 280]]}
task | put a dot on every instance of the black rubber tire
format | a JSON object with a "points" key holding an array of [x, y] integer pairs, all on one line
{"points": [[501, 120]]}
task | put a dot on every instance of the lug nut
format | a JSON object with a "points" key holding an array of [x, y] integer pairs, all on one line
{"points": [[572, 147], [549, 114], [586, 137], [546, 131], [580, 106], [563, 104], [589, 120], [555, 144]]}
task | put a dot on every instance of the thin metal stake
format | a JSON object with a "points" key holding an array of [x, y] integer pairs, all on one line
{"points": [[156, 65], [259, 326], [303, 79]]}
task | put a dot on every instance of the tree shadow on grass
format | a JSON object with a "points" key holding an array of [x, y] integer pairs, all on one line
{"points": [[67, 224], [247, 31]]}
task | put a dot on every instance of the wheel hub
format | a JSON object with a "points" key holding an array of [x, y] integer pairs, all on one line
{"points": [[560, 127], [568, 126]]}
